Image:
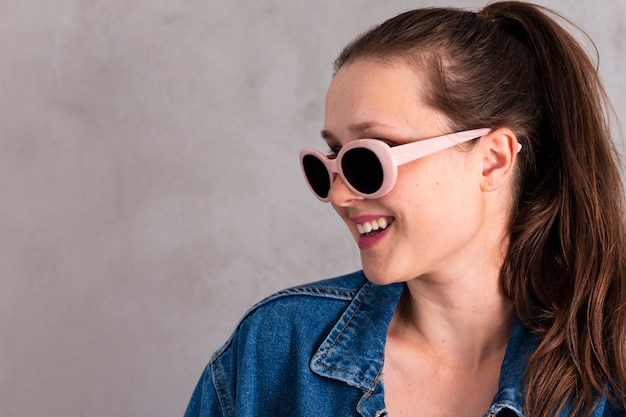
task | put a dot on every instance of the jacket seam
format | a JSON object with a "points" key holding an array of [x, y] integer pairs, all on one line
{"points": [[219, 382], [335, 339]]}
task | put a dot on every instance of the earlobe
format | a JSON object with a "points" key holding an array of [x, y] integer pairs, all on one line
{"points": [[499, 153]]}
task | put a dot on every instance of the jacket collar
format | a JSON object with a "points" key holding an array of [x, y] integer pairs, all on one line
{"points": [[354, 349], [511, 385]]}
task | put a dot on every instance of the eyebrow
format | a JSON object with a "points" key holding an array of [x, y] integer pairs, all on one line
{"points": [[357, 128], [326, 135]]}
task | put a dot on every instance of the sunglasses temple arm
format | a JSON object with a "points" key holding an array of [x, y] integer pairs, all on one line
{"points": [[411, 151]]}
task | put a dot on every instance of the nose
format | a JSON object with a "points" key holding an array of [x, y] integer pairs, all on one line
{"points": [[339, 193]]}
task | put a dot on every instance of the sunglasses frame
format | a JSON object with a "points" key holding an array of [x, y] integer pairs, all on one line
{"points": [[390, 158]]}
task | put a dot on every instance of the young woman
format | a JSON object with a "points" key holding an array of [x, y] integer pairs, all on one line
{"points": [[471, 159]]}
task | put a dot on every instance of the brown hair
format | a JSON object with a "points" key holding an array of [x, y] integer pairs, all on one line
{"points": [[512, 65]]}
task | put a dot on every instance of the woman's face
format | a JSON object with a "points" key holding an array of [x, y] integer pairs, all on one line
{"points": [[435, 215]]}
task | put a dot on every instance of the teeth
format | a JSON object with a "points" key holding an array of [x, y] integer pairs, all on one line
{"points": [[367, 227]]}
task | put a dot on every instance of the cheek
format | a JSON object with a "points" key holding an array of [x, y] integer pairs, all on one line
{"points": [[420, 184], [439, 192]]}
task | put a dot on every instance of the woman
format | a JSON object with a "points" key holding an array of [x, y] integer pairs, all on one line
{"points": [[493, 257]]}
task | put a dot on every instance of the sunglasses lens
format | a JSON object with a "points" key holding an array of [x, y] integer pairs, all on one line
{"points": [[363, 170], [317, 175]]}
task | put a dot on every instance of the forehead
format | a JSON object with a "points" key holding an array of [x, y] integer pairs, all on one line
{"points": [[370, 92], [369, 80]]}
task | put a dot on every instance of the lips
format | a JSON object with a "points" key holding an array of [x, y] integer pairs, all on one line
{"points": [[371, 229]]}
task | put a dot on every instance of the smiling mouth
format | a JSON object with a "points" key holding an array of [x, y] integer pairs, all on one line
{"points": [[375, 226]]}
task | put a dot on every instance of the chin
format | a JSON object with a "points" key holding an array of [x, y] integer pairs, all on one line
{"points": [[382, 276]]}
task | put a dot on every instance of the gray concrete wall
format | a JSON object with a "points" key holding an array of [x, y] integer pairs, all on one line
{"points": [[150, 189]]}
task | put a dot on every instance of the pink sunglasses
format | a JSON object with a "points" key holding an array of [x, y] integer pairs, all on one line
{"points": [[369, 167]]}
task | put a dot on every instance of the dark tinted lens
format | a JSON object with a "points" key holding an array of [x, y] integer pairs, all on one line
{"points": [[317, 175], [363, 170]]}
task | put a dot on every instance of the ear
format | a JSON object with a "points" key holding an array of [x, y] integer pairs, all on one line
{"points": [[499, 151]]}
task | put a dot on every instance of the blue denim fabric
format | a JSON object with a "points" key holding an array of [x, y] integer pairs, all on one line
{"points": [[317, 350]]}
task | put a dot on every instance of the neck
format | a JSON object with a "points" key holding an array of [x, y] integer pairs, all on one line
{"points": [[458, 322], [457, 313]]}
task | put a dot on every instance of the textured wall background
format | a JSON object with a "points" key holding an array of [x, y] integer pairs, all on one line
{"points": [[150, 186]]}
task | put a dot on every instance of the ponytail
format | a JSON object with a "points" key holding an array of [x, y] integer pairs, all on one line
{"points": [[565, 267]]}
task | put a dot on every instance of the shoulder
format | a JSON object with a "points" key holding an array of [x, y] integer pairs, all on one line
{"points": [[301, 311], [263, 368], [340, 288]]}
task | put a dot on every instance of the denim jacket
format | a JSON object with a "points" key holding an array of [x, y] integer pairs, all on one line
{"points": [[317, 350]]}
